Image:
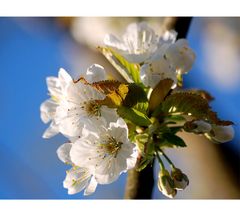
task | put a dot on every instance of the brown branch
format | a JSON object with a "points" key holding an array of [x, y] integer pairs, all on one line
{"points": [[140, 184], [180, 24]]}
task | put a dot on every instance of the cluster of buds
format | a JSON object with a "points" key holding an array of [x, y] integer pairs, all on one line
{"points": [[169, 184]]}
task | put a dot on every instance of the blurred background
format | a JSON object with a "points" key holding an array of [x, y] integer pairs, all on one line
{"points": [[33, 48]]}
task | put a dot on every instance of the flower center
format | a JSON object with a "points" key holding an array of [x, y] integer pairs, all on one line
{"points": [[92, 108], [111, 147]]}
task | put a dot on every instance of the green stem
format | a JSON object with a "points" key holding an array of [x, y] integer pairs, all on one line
{"points": [[168, 159], [160, 161]]}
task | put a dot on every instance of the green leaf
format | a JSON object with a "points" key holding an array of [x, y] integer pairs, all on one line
{"points": [[134, 116], [159, 93], [135, 95], [136, 98], [189, 103], [142, 107], [174, 130], [176, 118], [158, 113], [174, 140], [129, 71]]}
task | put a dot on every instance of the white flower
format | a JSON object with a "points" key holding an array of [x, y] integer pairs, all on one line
{"points": [[222, 133], [180, 179], [73, 103], [81, 105], [106, 149], [56, 88], [138, 43], [166, 184], [162, 57], [180, 56], [77, 178]]}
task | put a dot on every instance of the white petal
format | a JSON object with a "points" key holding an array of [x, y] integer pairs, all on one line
{"points": [[69, 123], [159, 53], [137, 58], [119, 123], [95, 73], [107, 171], [139, 42], [223, 133], [202, 126], [48, 109], [80, 92], [63, 152], [127, 156], [132, 160], [95, 126], [71, 127], [54, 87], [64, 78], [109, 114], [52, 82], [152, 74], [168, 37], [51, 131], [119, 132], [76, 180], [139, 36], [83, 152], [91, 187], [181, 56], [112, 41]]}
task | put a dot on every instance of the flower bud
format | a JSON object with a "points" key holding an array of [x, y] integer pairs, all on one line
{"points": [[166, 184], [221, 134], [179, 178], [198, 126]]}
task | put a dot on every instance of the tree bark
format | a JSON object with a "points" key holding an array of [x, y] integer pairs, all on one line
{"points": [[179, 24], [140, 184]]}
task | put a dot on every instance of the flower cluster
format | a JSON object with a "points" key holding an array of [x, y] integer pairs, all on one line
{"points": [[160, 57], [113, 127], [99, 149]]}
